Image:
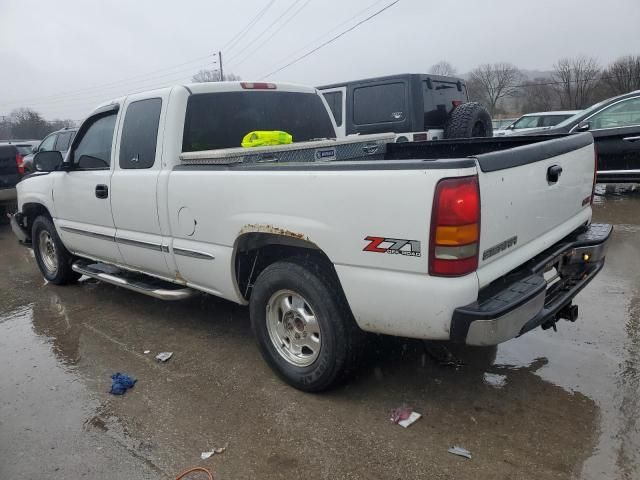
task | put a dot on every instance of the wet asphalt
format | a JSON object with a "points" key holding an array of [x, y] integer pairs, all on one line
{"points": [[547, 405]]}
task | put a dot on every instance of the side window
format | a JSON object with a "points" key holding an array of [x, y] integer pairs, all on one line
{"points": [[47, 144], [140, 134], [334, 99], [379, 104], [62, 145], [93, 151], [623, 114]]}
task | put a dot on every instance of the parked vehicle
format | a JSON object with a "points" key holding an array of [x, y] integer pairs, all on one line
{"points": [[58, 140], [417, 107], [501, 124], [615, 126], [11, 172], [530, 121], [25, 147], [321, 250]]}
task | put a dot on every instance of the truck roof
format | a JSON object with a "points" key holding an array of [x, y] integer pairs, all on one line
{"points": [[437, 78], [212, 87]]}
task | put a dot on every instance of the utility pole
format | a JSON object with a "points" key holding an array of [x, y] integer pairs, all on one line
{"points": [[220, 60]]}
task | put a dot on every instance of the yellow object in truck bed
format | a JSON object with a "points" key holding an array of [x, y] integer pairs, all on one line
{"points": [[263, 138]]}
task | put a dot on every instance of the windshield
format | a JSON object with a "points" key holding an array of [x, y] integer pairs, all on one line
{"points": [[582, 114], [221, 120], [526, 122]]}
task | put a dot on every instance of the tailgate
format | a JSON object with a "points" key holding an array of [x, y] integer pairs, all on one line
{"points": [[523, 210], [8, 167]]}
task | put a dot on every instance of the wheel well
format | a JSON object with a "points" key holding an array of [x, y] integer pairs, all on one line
{"points": [[31, 211], [256, 251]]}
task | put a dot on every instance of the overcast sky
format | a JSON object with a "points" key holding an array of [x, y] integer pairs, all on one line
{"points": [[63, 57]]}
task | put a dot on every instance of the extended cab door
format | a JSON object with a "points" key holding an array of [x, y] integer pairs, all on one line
{"points": [[616, 131], [81, 195], [134, 184]]}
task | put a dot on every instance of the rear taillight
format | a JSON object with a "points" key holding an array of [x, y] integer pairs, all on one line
{"points": [[455, 227], [20, 163], [595, 171], [258, 86]]}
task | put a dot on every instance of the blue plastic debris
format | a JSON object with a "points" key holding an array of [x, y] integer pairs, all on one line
{"points": [[121, 383]]}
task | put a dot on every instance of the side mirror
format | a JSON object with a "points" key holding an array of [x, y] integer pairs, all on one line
{"points": [[583, 126], [47, 161]]}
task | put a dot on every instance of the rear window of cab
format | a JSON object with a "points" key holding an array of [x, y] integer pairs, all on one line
{"points": [[221, 120]]}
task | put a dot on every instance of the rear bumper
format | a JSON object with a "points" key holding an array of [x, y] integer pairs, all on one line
{"points": [[618, 176], [524, 300]]}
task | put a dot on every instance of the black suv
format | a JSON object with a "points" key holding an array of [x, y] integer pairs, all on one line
{"points": [[59, 140], [415, 106], [615, 126]]}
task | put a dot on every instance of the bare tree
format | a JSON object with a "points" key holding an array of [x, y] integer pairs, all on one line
{"points": [[443, 68], [212, 76], [577, 80], [27, 123], [490, 83], [622, 75], [539, 95]]}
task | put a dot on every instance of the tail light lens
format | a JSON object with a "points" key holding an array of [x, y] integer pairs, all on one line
{"points": [[258, 86], [455, 227], [20, 163]]}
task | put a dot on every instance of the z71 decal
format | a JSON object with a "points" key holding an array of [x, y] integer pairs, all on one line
{"points": [[394, 246]]}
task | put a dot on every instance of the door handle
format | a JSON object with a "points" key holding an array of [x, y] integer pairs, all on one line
{"points": [[631, 139], [553, 173], [102, 191]]}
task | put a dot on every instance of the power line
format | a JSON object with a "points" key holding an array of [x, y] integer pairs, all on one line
{"points": [[278, 30], [257, 37], [331, 40], [356, 15], [234, 40], [141, 77]]}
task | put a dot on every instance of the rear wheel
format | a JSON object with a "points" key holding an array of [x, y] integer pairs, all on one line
{"points": [[469, 120], [303, 325], [53, 259]]}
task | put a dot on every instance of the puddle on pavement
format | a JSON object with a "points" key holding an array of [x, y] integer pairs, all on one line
{"points": [[546, 405]]}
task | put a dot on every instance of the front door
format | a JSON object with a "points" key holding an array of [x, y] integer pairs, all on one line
{"points": [[616, 131], [81, 194]]}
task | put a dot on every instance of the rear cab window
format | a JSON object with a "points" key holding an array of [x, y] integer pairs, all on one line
{"points": [[221, 119]]}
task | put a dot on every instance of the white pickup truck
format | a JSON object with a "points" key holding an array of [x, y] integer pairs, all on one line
{"points": [[472, 240]]}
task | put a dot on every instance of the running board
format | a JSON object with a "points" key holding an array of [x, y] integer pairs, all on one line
{"points": [[137, 282]]}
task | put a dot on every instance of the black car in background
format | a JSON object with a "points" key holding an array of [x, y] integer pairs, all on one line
{"points": [[11, 172], [58, 140], [615, 126]]}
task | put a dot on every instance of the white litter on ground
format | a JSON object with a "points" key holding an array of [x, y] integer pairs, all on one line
{"points": [[205, 455], [462, 452], [408, 421], [147, 351], [164, 356]]}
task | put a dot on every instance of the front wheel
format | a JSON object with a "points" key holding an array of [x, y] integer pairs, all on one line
{"points": [[53, 259], [303, 325]]}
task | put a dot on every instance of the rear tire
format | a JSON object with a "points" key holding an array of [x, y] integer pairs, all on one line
{"points": [[469, 120], [53, 259], [304, 327]]}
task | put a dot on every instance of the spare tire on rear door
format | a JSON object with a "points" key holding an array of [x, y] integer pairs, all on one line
{"points": [[469, 120]]}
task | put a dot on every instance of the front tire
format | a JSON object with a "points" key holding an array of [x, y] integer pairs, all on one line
{"points": [[304, 327], [53, 259]]}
